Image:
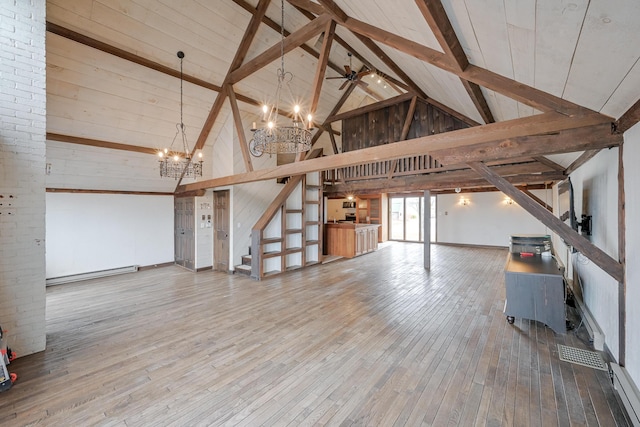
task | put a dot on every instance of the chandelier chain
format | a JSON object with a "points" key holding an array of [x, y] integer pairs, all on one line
{"points": [[282, 36]]}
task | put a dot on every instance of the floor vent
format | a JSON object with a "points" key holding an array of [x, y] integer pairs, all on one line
{"points": [[91, 275], [582, 357]]}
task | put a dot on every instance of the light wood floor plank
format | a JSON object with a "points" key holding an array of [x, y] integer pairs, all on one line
{"points": [[374, 341]]}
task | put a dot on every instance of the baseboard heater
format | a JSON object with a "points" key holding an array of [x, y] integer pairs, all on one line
{"points": [[593, 329], [92, 275], [627, 391]]}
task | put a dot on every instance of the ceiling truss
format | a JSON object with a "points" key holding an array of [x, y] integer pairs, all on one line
{"points": [[563, 126]]}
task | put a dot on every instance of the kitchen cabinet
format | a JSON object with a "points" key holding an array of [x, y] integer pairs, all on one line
{"points": [[369, 210], [351, 240]]}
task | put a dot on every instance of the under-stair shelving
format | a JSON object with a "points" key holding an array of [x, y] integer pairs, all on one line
{"points": [[288, 236]]}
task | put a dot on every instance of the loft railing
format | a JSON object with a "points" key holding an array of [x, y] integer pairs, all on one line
{"points": [[413, 165]]}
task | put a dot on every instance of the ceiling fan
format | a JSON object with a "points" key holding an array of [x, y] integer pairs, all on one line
{"points": [[351, 76]]}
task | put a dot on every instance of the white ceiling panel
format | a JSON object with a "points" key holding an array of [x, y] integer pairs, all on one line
{"points": [[608, 49], [558, 26], [585, 51], [461, 22], [488, 19], [401, 17], [625, 95]]}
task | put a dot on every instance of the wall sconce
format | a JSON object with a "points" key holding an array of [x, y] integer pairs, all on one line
{"points": [[463, 201], [508, 201]]}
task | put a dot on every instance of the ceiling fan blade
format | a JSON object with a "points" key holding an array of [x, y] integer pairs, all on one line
{"points": [[347, 70], [364, 73], [331, 78], [343, 85]]}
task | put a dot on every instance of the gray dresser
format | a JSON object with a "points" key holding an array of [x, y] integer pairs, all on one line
{"points": [[535, 290]]}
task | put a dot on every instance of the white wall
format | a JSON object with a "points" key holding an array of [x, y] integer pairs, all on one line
{"points": [[595, 189], [485, 220], [93, 232], [248, 201], [22, 174], [631, 155]]}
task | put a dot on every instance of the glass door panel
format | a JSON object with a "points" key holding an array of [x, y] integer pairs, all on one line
{"points": [[397, 219], [433, 218], [412, 218]]}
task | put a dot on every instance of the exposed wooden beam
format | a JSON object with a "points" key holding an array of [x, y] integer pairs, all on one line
{"points": [[308, 5], [550, 163], [584, 158], [310, 10], [622, 256], [402, 44], [249, 34], [291, 42], [580, 243], [435, 15], [88, 41], [564, 141], [120, 53], [520, 92], [466, 178], [241, 52], [489, 188], [333, 9], [85, 191], [334, 145], [462, 138], [475, 93], [314, 140], [322, 65], [371, 107], [537, 199], [629, 119], [448, 168], [237, 120], [99, 143], [438, 21], [209, 122], [276, 27], [194, 193], [412, 86]]}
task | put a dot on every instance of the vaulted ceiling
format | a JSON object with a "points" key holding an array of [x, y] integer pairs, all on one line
{"points": [[565, 70]]}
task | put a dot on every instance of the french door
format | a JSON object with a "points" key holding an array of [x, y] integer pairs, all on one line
{"points": [[406, 213]]}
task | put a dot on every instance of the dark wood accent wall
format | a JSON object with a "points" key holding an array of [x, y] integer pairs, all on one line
{"points": [[385, 125]]}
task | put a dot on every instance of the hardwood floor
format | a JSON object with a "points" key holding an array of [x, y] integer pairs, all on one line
{"points": [[375, 340]]}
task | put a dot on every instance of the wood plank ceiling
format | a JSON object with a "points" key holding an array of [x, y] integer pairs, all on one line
{"points": [[564, 70]]}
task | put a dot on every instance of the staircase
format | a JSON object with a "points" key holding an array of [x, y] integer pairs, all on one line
{"points": [[245, 267]]}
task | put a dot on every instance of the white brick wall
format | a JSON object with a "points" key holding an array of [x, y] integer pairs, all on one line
{"points": [[22, 173]]}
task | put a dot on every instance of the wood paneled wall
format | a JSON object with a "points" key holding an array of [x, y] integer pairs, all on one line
{"points": [[385, 125]]}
